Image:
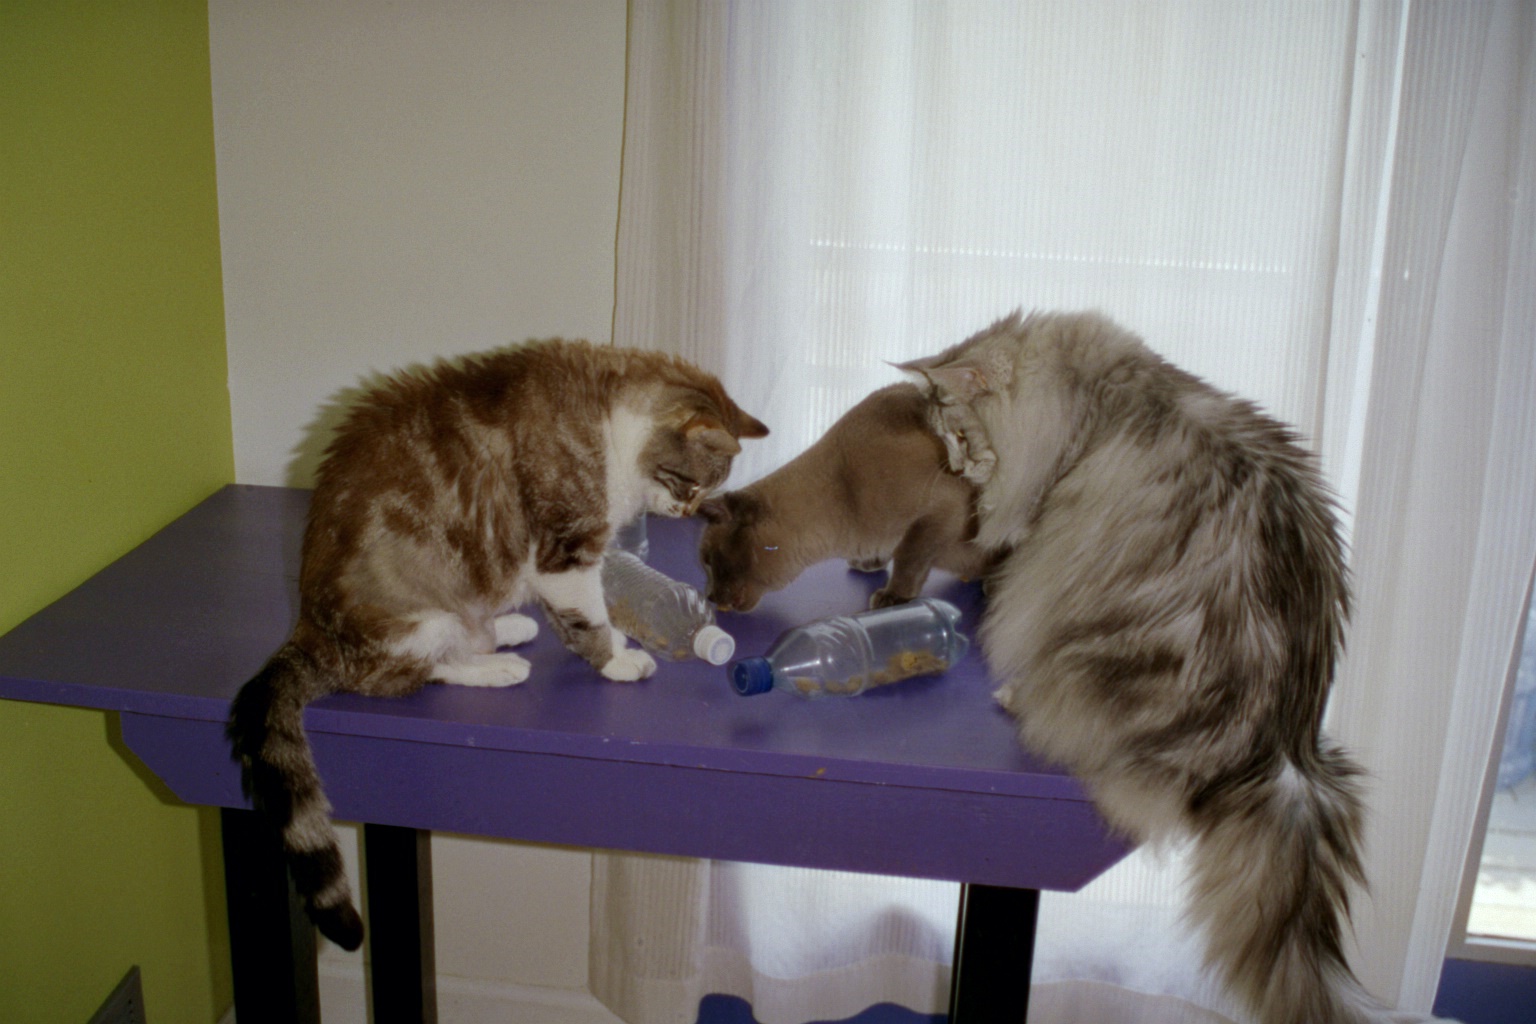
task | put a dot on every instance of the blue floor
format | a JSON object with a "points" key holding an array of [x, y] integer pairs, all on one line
{"points": [[1470, 991], [731, 1010], [1483, 993]]}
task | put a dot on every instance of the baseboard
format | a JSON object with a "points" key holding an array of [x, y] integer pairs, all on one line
{"points": [[344, 1000], [126, 1003]]}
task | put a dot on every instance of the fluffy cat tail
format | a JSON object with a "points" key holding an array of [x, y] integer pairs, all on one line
{"points": [[278, 774], [1273, 859]]}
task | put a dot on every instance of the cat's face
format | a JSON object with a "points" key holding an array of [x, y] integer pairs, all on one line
{"points": [[960, 383], [955, 422], [683, 468], [949, 421], [741, 553], [689, 454]]}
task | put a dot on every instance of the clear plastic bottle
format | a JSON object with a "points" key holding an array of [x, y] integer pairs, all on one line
{"points": [[665, 616], [633, 537], [849, 654]]}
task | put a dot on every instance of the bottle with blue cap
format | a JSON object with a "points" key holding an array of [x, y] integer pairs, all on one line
{"points": [[663, 615], [849, 654]]}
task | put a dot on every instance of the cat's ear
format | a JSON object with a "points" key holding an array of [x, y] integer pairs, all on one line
{"points": [[964, 382], [747, 425], [961, 382], [744, 508], [735, 419], [966, 378], [714, 510], [707, 430]]}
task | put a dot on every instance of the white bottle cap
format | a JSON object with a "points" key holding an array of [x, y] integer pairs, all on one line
{"points": [[714, 645]]}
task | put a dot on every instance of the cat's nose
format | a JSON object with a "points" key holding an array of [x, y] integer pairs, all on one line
{"points": [[724, 600], [740, 601]]}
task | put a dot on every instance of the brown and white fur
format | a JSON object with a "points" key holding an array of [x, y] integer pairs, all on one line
{"points": [[1166, 624], [874, 489], [450, 496]]}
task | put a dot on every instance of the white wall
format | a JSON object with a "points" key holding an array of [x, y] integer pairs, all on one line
{"points": [[398, 181], [403, 180]]}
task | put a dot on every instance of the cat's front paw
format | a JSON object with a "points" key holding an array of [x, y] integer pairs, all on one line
{"points": [[501, 669], [513, 629], [885, 598], [629, 664], [979, 471]]}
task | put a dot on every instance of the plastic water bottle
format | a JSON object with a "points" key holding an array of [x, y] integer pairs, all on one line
{"points": [[632, 537], [849, 654], [665, 616]]}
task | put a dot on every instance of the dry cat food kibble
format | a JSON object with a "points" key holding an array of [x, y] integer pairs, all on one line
{"points": [[848, 654], [899, 666]]}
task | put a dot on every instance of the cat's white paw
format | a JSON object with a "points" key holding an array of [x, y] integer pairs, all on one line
{"points": [[628, 665], [979, 467], [513, 629], [501, 669], [979, 471]]}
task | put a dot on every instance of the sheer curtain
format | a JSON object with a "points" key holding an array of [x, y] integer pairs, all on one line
{"points": [[1326, 207]]}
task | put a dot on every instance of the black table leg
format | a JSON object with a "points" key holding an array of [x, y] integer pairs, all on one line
{"points": [[271, 941], [401, 956], [994, 951]]}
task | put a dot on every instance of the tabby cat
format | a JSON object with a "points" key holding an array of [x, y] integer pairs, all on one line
{"points": [[1166, 623], [450, 495], [874, 489]]}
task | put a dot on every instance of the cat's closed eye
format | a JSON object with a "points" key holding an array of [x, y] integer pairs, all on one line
{"points": [[681, 486]]}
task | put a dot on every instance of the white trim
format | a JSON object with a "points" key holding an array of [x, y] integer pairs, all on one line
{"points": [[1496, 951]]}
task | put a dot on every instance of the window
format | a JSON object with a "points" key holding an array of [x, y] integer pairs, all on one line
{"points": [[1499, 897]]}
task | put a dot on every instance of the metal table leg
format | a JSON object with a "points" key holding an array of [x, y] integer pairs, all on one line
{"points": [[994, 952], [271, 941], [402, 959]]}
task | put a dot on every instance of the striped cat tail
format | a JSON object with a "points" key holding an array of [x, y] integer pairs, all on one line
{"points": [[278, 774], [1273, 861]]}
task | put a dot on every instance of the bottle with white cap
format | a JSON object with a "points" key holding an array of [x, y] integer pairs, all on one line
{"points": [[663, 615], [849, 654]]}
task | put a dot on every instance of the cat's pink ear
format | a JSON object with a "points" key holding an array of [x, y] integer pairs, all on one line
{"points": [[714, 510], [711, 433], [962, 381], [916, 367]]}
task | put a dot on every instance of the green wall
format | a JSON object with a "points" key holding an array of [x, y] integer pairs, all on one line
{"points": [[114, 418]]}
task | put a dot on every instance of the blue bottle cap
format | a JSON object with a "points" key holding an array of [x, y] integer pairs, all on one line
{"points": [[751, 676]]}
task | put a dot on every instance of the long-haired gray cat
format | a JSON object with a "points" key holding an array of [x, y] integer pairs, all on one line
{"points": [[450, 496], [1166, 624]]}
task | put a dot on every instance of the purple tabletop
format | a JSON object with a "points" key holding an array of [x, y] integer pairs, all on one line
{"points": [[923, 777]]}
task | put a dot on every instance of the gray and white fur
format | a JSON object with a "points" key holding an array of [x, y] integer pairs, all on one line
{"points": [[1165, 623]]}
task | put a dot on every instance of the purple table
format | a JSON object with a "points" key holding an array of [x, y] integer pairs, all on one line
{"points": [[922, 779]]}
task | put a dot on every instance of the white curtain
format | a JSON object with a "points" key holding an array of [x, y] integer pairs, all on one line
{"points": [[1325, 206]]}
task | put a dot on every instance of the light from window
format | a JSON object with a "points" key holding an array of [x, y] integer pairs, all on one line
{"points": [[1504, 899]]}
